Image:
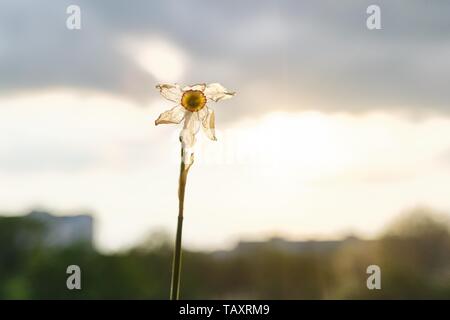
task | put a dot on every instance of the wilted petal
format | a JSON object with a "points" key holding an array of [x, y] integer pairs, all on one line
{"points": [[192, 122], [199, 87], [202, 113], [216, 92], [174, 115], [171, 92], [190, 129], [209, 124]]}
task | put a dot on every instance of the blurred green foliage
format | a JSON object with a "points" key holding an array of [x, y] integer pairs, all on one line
{"points": [[413, 253]]}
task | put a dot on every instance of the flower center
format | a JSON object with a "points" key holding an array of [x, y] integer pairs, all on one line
{"points": [[193, 100]]}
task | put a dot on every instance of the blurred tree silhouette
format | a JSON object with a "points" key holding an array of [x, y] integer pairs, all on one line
{"points": [[416, 250], [413, 253]]}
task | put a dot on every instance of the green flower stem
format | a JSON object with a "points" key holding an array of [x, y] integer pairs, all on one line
{"points": [[176, 269]]}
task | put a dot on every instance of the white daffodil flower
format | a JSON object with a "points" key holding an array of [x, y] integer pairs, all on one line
{"points": [[191, 107]]}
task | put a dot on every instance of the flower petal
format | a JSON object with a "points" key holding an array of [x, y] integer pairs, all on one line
{"points": [[192, 122], [174, 115], [209, 124], [171, 92], [202, 113], [199, 87], [216, 92], [190, 129]]}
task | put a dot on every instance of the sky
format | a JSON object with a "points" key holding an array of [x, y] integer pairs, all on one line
{"points": [[335, 129]]}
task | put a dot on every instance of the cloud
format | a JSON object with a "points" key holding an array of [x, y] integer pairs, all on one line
{"points": [[287, 55], [51, 133], [160, 58]]}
